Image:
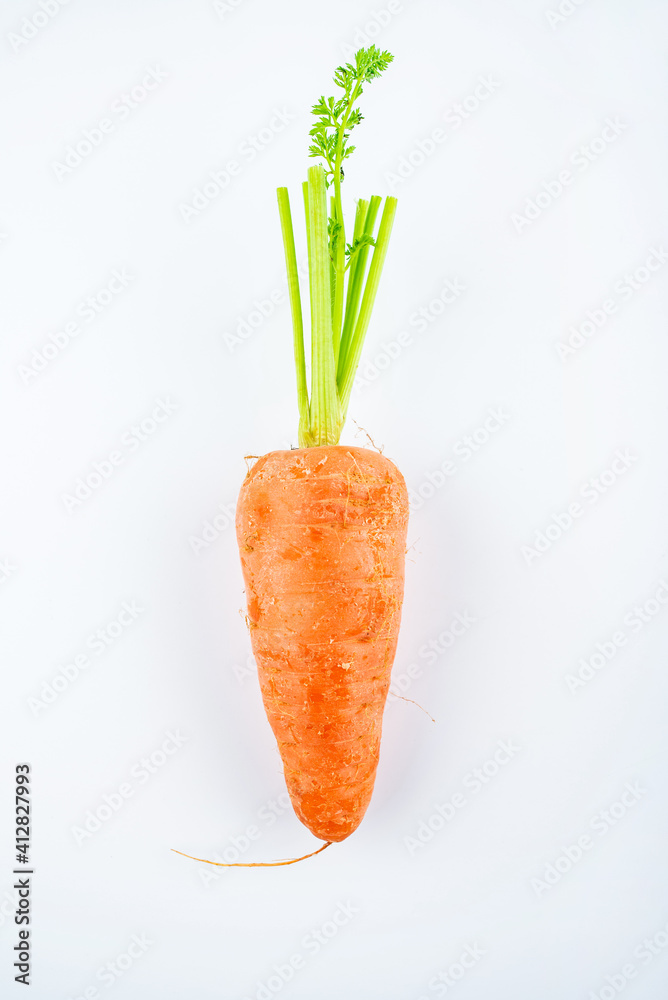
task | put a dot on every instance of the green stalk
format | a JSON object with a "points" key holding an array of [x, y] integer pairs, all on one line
{"points": [[325, 409], [333, 281], [340, 252], [308, 243], [295, 304], [340, 311], [361, 326], [340, 257], [356, 281], [361, 209]]}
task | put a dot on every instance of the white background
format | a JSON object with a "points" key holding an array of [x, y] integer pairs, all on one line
{"points": [[479, 880]]}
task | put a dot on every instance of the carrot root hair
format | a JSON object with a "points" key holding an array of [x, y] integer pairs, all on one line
{"points": [[254, 864], [416, 703]]}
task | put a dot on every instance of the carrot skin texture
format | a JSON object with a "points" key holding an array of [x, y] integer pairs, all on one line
{"points": [[322, 539]]}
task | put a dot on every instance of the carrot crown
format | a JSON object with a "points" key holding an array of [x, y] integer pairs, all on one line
{"points": [[341, 291]]}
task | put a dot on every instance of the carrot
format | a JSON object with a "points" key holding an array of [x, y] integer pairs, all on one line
{"points": [[322, 536], [322, 528]]}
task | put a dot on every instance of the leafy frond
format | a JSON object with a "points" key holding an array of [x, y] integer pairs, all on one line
{"points": [[336, 117], [334, 233], [365, 240]]}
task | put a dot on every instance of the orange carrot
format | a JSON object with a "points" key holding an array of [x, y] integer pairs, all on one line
{"points": [[322, 528], [322, 536]]}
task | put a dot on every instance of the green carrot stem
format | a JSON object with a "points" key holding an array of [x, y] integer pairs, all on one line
{"points": [[295, 303], [333, 277], [340, 245], [308, 243], [372, 282], [360, 217], [356, 282], [340, 313], [325, 409]]}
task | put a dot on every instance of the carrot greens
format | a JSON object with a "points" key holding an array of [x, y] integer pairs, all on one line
{"points": [[341, 290]]}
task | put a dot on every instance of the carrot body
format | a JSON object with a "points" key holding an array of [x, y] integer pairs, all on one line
{"points": [[322, 538]]}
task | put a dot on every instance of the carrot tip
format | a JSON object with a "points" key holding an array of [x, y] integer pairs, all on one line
{"points": [[254, 864]]}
